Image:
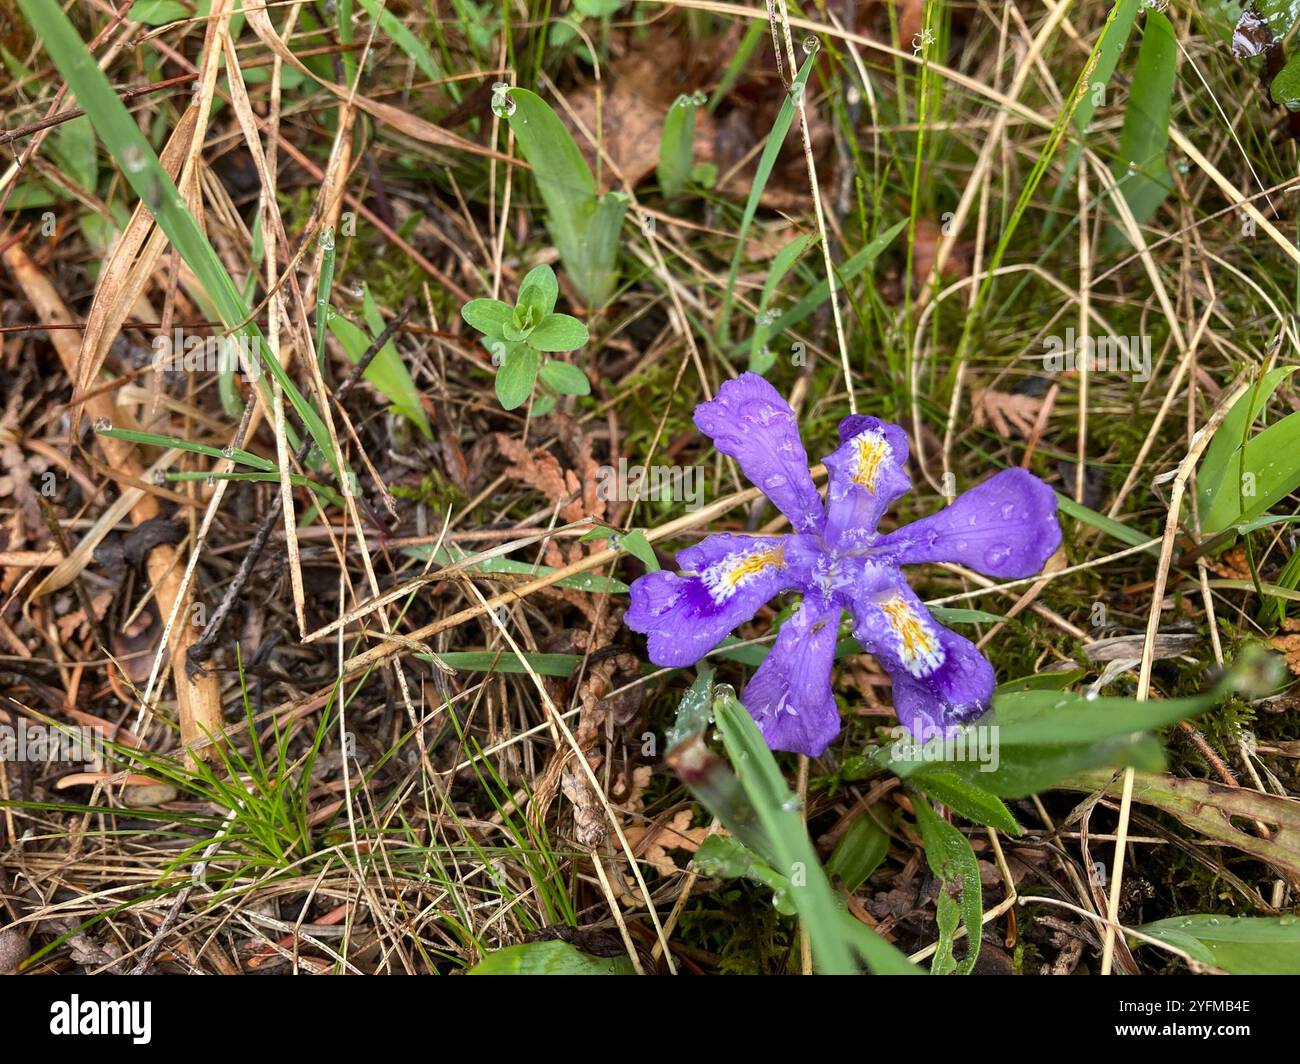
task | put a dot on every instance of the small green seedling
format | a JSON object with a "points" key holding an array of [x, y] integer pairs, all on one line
{"points": [[518, 336]]}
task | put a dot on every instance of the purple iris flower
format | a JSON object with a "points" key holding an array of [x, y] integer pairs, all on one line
{"points": [[1005, 528]]}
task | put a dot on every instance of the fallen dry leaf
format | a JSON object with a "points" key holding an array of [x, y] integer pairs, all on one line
{"points": [[1232, 565], [659, 838], [1008, 414], [1288, 645]]}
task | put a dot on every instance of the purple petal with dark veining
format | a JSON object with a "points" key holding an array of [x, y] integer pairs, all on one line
{"points": [[940, 678], [868, 471], [790, 694], [1005, 528], [751, 422], [728, 578]]}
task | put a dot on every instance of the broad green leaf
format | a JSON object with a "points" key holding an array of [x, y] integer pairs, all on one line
{"points": [[1039, 737], [520, 325], [564, 378], [950, 857], [861, 850], [1143, 166], [1285, 88], [488, 316], [1047, 718], [639, 547], [724, 857], [1241, 945], [558, 332], [157, 12], [539, 289], [677, 147], [586, 227], [1118, 27], [1219, 481], [73, 146], [1055, 680], [409, 405], [597, 8], [1270, 473], [965, 795], [1114, 37], [549, 958], [516, 378], [387, 372]]}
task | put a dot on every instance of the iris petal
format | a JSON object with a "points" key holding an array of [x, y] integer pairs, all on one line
{"points": [[1005, 528], [751, 422], [867, 473], [728, 578], [790, 694], [940, 678]]}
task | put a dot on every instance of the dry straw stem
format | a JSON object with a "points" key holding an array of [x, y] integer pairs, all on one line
{"points": [[393, 645], [1199, 443], [198, 701]]}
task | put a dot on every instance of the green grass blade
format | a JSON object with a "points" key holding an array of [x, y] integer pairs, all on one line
{"points": [[677, 147], [142, 170], [766, 162], [1143, 166], [585, 226], [778, 814]]}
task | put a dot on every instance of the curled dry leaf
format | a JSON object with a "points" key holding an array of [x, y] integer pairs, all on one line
{"points": [[653, 842], [1288, 645], [589, 826], [1007, 413]]}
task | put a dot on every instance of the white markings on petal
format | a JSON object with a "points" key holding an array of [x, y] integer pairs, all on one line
{"points": [[871, 451], [724, 578], [918, 643]]}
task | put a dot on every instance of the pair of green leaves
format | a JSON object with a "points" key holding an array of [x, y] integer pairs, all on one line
{"points": [[769, 840], [518, 336]]}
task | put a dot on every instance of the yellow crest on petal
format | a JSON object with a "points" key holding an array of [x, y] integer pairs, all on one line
{"points": [[918, 643], [872, 450], [725, 577]]}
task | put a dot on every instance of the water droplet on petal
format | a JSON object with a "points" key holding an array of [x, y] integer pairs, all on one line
{"points": [[996, 556]]}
